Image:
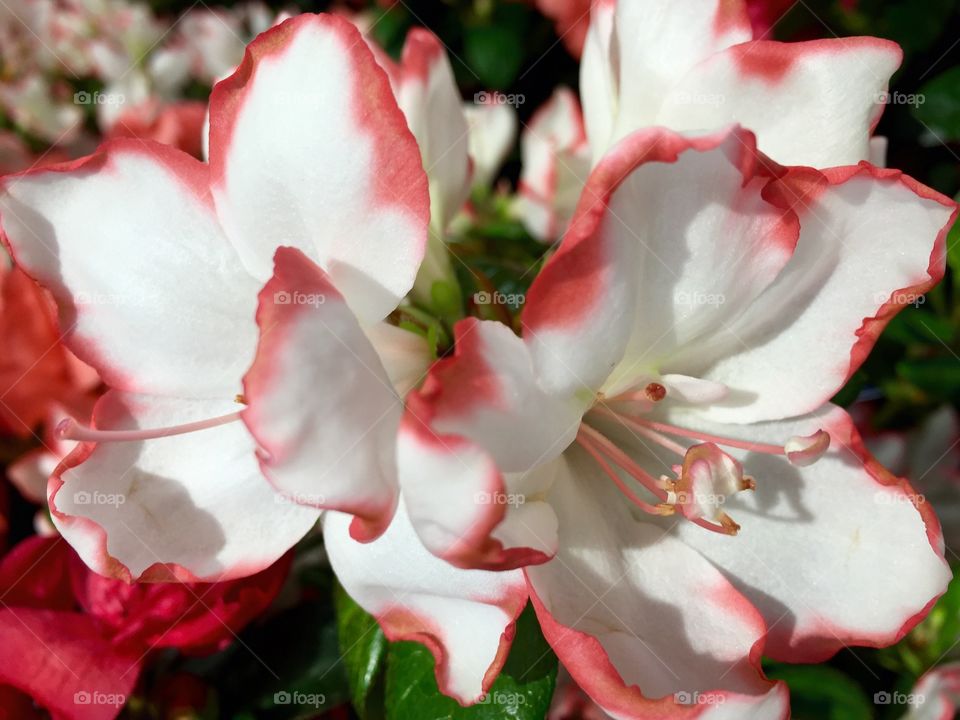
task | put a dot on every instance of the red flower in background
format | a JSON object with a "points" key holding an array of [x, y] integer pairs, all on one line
{"points": [[572, 18], [177, 124], [764, 14], [73, 640], [36, 369]]}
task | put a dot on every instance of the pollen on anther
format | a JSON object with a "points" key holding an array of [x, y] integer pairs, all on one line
{"points": [[655, 392]]}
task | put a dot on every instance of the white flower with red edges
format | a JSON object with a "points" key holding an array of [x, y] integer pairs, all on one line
{"points": [[658, 450], [492, 130], [693, 65], [929, 457], [936, 696], [555, 163], [156, 261], [427, 93]]}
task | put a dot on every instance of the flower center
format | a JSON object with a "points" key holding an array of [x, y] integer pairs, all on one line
{"points": [[705, 475]]}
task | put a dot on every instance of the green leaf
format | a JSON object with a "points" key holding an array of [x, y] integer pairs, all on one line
{"points": [[364, 648], [390, 28], [445, 297], [819, 692], [522, 692], [911, 326], [849, 392], [916, 31], [940, 110], [494, 53], [927, 643], [938, 376], [953, 247]]}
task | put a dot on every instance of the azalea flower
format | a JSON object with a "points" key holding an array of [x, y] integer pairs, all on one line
{"points": [[764, 14], [166, 444], [44, 43], [464, 617], [694, 66], [144, 83], [572, 703], [159, 293], [38, 372], [658, 450], [555, 160], [78, 635], [936, 695], [42, 107], [213, 40], [426, 91], [929, 457], [179, 124], [572, 18], [492, 128]]}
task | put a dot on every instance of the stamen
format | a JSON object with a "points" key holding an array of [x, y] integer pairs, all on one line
{"points": [[707, 437], [594, 451], [640, 429], [623, 460], [597, 445], [69, 429], [726, 527]]}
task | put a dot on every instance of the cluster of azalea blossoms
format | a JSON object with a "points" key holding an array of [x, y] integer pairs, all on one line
{"points": [[76, 69], [652, 462]]}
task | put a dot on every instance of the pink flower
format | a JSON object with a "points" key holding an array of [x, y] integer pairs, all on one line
{"points": [[658, 451]]}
